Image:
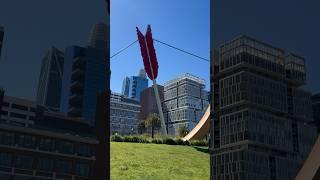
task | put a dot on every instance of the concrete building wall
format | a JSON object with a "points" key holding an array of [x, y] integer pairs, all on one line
{"points": [[185, 101], [124, 114], [148, 101]]}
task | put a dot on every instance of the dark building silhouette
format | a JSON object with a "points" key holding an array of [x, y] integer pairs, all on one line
{"points": [[45, 145], [98, 36], [50, 79], [84, 76], [316, 110], [102, 130], [261, 116]]}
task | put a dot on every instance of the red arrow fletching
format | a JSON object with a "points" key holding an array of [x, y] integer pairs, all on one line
{"points": [[152, 52], [144, 53]]}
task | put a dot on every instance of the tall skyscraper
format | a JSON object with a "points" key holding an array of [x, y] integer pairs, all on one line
{"points": [[316, 110], [134, 85], [84, 76], [261, 116], [98, 36], [125, 86], [185, 102], [1, 38], [50, 80]]}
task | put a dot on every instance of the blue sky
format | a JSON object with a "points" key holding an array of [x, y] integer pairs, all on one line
{"points": [[184, 24]]}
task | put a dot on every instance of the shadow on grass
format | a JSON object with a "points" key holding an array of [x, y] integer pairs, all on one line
{"points": [[202, 149]]}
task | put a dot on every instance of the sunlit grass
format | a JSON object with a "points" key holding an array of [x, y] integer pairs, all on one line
{"points": [[158, 161]]}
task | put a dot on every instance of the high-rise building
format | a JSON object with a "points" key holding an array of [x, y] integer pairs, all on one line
{"points": [[261, 116], [1, 39], [148, 102], [316, 110], [50, 80], [124, 113], [134, 85], [125, 86], [98, 36], [84, 76], [185, 101]]}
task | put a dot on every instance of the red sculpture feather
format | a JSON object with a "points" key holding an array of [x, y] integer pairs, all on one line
{"points": [[147, 42]]}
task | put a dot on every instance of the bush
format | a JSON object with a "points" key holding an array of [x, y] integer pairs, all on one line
{"points": [[169, 141], [179, 141], [136, 139], [116, 138], [187, 143], [199, 143], [156, 141]]}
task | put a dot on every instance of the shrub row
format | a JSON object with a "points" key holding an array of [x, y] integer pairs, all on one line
{"points": [[157, 140]]}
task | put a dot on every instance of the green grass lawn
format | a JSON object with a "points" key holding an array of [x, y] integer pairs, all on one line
{"points": [[158, 161]]}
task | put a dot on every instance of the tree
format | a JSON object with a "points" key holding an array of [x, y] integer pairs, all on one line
{"points": [[141, 127], [152, 121], [183, 131]]}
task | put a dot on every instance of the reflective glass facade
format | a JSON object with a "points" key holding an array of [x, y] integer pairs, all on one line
{"points": [[261, 116], [85, 75], [134, 85], [50, 79]]}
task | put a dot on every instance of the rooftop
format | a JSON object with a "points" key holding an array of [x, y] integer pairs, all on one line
{"points": [[186, 76]]}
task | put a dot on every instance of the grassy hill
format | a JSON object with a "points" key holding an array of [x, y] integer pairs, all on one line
{"points": [[158, 161]]}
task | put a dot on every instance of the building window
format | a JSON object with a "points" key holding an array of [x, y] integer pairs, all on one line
{"points": [[5, 104], [4, 113], [46, 144], [24, 162], [82, 169], [19, 107], [5, 159], [64, 147], [64, 166], [85, 150], [6, 138], [45, 164], [23, 178], [27, 141], [4, 177], [17, 115]]}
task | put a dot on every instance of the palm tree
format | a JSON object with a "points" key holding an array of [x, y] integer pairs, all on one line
{"points": [[152, 121], [141, 127]]}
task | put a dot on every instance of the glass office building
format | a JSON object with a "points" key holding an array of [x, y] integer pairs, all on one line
{"points": [[50, 79], [134, 85], [84, 76], [261, 117]]}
